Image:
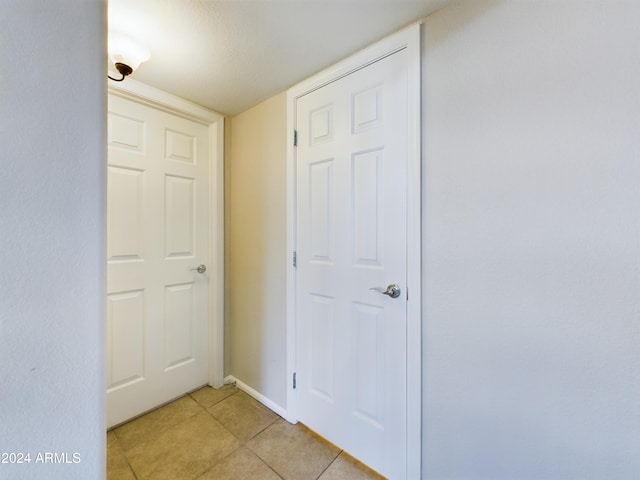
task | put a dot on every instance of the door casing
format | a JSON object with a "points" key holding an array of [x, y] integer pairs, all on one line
{"points": [[150, 96], [408, 39]]}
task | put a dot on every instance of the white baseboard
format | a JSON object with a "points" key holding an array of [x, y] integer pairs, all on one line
{"points": [[274, 407]]}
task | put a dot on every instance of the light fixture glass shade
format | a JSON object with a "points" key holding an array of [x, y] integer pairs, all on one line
{"points": [[123, 49]]}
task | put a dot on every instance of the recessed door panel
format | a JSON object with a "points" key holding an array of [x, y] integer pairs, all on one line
{"points": [[126, 133], [366, 194], [125, 338], [179, 324], [180, 146], [368, 350], [125, 216], [179, 226], [320, 209], [366, 109], [321, 125], [321, 350]]}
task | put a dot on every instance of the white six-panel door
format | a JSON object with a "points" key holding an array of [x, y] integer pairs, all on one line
{"points": [[158, 233], [351, 341]]}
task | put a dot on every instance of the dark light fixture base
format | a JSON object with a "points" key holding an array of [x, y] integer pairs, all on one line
{"points": [[123, 69]]}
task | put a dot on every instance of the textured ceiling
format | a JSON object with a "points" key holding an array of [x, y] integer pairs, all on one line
{"points": [[231, 55]]}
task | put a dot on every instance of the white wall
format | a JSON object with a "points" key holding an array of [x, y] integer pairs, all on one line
{"points": [[52, 137], [531, 241]]}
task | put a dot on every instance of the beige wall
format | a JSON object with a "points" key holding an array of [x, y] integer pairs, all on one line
{"points": [[256, 248]]}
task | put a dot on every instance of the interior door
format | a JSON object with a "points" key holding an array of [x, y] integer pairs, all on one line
{"points": [[351, 164], [157, 254]]}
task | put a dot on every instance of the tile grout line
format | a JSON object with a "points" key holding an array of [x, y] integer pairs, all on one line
{"points": [[268, 466], [328, 466], [203, 409], [228, 431], [126, 457], [257, 454], [200, 405], [161, 431], [242, 443], [259, 405], [278, 417]]}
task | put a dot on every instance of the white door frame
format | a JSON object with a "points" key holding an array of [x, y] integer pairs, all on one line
{"points": [[158, 99], [408, 39]]}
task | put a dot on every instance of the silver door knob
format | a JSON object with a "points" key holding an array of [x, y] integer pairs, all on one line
{"points": [[392, 290], [200, 269]]}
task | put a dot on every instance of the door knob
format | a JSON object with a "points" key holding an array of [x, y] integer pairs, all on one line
{"points": [[392, 290], [200, 269]]}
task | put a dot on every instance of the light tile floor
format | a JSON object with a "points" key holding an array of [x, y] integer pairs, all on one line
{"points": [[224, 434]]}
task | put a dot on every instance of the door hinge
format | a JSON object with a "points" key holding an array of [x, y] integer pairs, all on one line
{"points": [[294, 380], [295, 138], [295, 259]]}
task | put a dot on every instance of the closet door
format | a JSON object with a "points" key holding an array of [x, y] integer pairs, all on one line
{"points": [[351, 303], [158, 247]]}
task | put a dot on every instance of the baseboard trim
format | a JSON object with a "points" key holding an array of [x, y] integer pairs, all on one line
{"points": [[274, 407]]}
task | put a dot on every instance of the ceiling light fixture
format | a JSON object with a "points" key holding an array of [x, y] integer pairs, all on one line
{"points": [[126, 54]]}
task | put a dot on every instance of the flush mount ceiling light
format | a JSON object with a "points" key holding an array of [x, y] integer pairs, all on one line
{"points": [[126, 54]]}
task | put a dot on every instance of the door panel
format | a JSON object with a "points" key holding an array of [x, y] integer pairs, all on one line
{"points": [[125, 315], [351, 237], [125, 236], [179, 220], [158, 233]]}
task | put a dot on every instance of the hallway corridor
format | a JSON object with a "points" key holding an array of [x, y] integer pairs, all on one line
{"points": [[223, 434]]}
